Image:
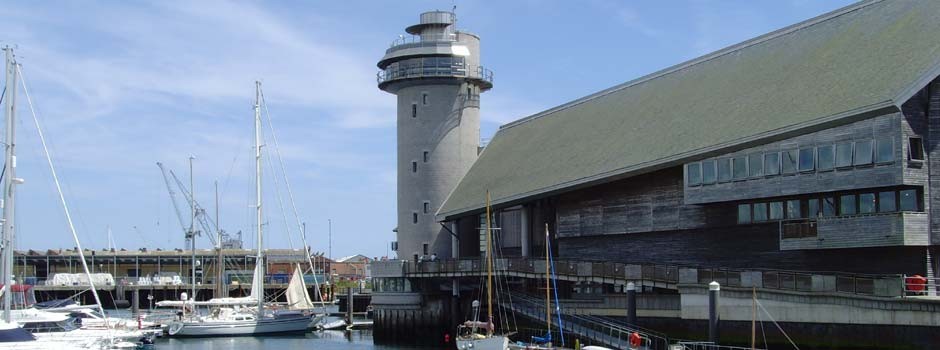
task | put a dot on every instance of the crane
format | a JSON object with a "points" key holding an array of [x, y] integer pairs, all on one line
{"points": [[179, 215]]}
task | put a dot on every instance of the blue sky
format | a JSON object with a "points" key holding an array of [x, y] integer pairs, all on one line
{"points": [[122, 85]]}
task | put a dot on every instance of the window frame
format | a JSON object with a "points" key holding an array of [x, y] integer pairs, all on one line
{"points": [[921, 151], [851, 160], [783, 161], [871, 151], [803, 151], [780, 208], [414, 110], [861, 203], [426, 206], [763, 206], [718, 163], [842, 207], [734, 168], [832, 160], [709, 164], [414, 167], [917, 199], [776, 166], [747, 219], [879, 142], [426, 156], [424, 98], [750, 165], [689, 173], [893, 201]]}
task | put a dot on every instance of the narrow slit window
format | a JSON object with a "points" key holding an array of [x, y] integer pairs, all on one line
{"points": [[414, 167], [427, 207], [426, 156], [916, 150], [414, 110], [863, 151], [414, 218], [424, 98]]}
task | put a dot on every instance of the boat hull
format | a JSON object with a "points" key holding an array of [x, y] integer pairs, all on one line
{"points": [[496, 342], [237, 328]]}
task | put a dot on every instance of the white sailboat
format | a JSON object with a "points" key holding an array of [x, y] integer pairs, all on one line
{"points": [[469, 335], [236, 316]]}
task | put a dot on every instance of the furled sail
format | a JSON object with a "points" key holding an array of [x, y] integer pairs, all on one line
{"points": [[297, 296], [256, 292]]}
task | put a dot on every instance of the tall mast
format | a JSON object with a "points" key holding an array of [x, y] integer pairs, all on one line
{"points": [[220, 262], [192, 226], [260, 260], [489, 270], [9, 181], [548, 284]]}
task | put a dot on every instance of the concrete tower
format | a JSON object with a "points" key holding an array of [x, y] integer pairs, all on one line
{"points": [[437, 76]]}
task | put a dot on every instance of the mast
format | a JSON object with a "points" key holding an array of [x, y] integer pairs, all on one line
{"points": [[9, 181], [220, 261], [489, 271], [548, 284], [260, 260], [192, 226]]}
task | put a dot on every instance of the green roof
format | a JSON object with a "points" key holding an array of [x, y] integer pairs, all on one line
{"points": [[850, 63]]}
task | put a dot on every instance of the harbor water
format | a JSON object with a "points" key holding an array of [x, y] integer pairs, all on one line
{"points": [[319, 340]]}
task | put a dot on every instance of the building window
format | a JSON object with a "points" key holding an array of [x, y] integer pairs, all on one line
{"points": [[724, 170], [708, 172], [426, 156], [427, 207], [847, 204], [807, 159], [739, 168], [863, 150], [829, 206], [414, 218], [825, 157], [772, 163], [866, 203], [812, 208], [424, 248], [884, 150], [414, 167], [776, 210], [755, 165], [760, 212], [916, 149], [424, 98], [908, 200], [788, 161], [744, 213], [793, 209], [887, 202], [844, 154], [694, 171], [414, 110]]}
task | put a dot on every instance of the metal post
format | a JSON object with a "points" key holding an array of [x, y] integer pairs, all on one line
{"points": [[135, 304], [9, 183], [713, 289], [631, 303], [349, 305], [192, 226], [526, 225]]}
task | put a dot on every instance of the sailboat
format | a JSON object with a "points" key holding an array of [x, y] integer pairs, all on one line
{"points": [[469, 335], [247, 315], [545, 342]]}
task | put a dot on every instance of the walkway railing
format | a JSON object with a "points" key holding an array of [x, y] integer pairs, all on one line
{"points": [[667, 276]]}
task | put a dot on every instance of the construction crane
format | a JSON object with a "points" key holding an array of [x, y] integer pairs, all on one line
{"points": [[179, 215], [201, 217]]}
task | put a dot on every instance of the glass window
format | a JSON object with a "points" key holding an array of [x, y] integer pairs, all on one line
{"points": [[825, 157], [908, 200], [847, 204], [427, 207], [414, 167], [829, 206], [414, 218], [807, 159], [916, 149], [866, 203], [812, 208], [863, 152], [414, 110], [772, 163], [884, 150], [844, 154], [793, 209], [760, 212], [755, 165], [739, 168], [788, 161], [426, 156], [708, 172], [424, 99], [744, 213], [694, 171], [776, 210], [887, 202], [724, 170]]}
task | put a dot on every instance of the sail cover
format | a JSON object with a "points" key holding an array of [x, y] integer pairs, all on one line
{"points": [[257, 293], [297, 296]]}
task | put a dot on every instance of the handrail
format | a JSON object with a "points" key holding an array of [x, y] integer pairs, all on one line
{"points": [[415, 39], [464, 70]]}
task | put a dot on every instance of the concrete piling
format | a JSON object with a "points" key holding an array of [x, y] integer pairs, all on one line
{"points": [[631, 303], [713, 289]]}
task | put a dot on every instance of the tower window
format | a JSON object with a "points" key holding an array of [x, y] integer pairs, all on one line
{"points": [[414, 110], [424, 98], [414, 218], [414, 167], [427, 207], [917, 148], [426, 156]]}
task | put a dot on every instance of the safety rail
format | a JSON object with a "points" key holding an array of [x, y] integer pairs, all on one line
{"points": [[591, 329], [671, 276], [417, 39], [917, 285], [460, 71]]}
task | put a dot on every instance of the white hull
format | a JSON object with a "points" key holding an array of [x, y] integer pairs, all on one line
{"points": [[234, 328], [496, 342]]}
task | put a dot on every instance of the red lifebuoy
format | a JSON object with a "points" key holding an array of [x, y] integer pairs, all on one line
{"points": [[915, 283], [635, 340]]}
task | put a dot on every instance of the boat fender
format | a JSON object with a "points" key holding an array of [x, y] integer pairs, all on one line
{"points": [[635, 340]]}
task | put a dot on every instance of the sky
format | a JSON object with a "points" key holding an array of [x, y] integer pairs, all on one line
{"points": [[120, 85]]}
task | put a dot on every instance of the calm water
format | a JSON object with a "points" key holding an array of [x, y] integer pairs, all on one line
{"points": [[319, 340]]}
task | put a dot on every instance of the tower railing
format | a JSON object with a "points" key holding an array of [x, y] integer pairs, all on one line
{"points": [[417, 39], [419, 71]]}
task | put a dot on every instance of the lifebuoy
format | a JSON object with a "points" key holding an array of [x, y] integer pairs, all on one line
{"points": [[916, 283], [635, 340]]}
